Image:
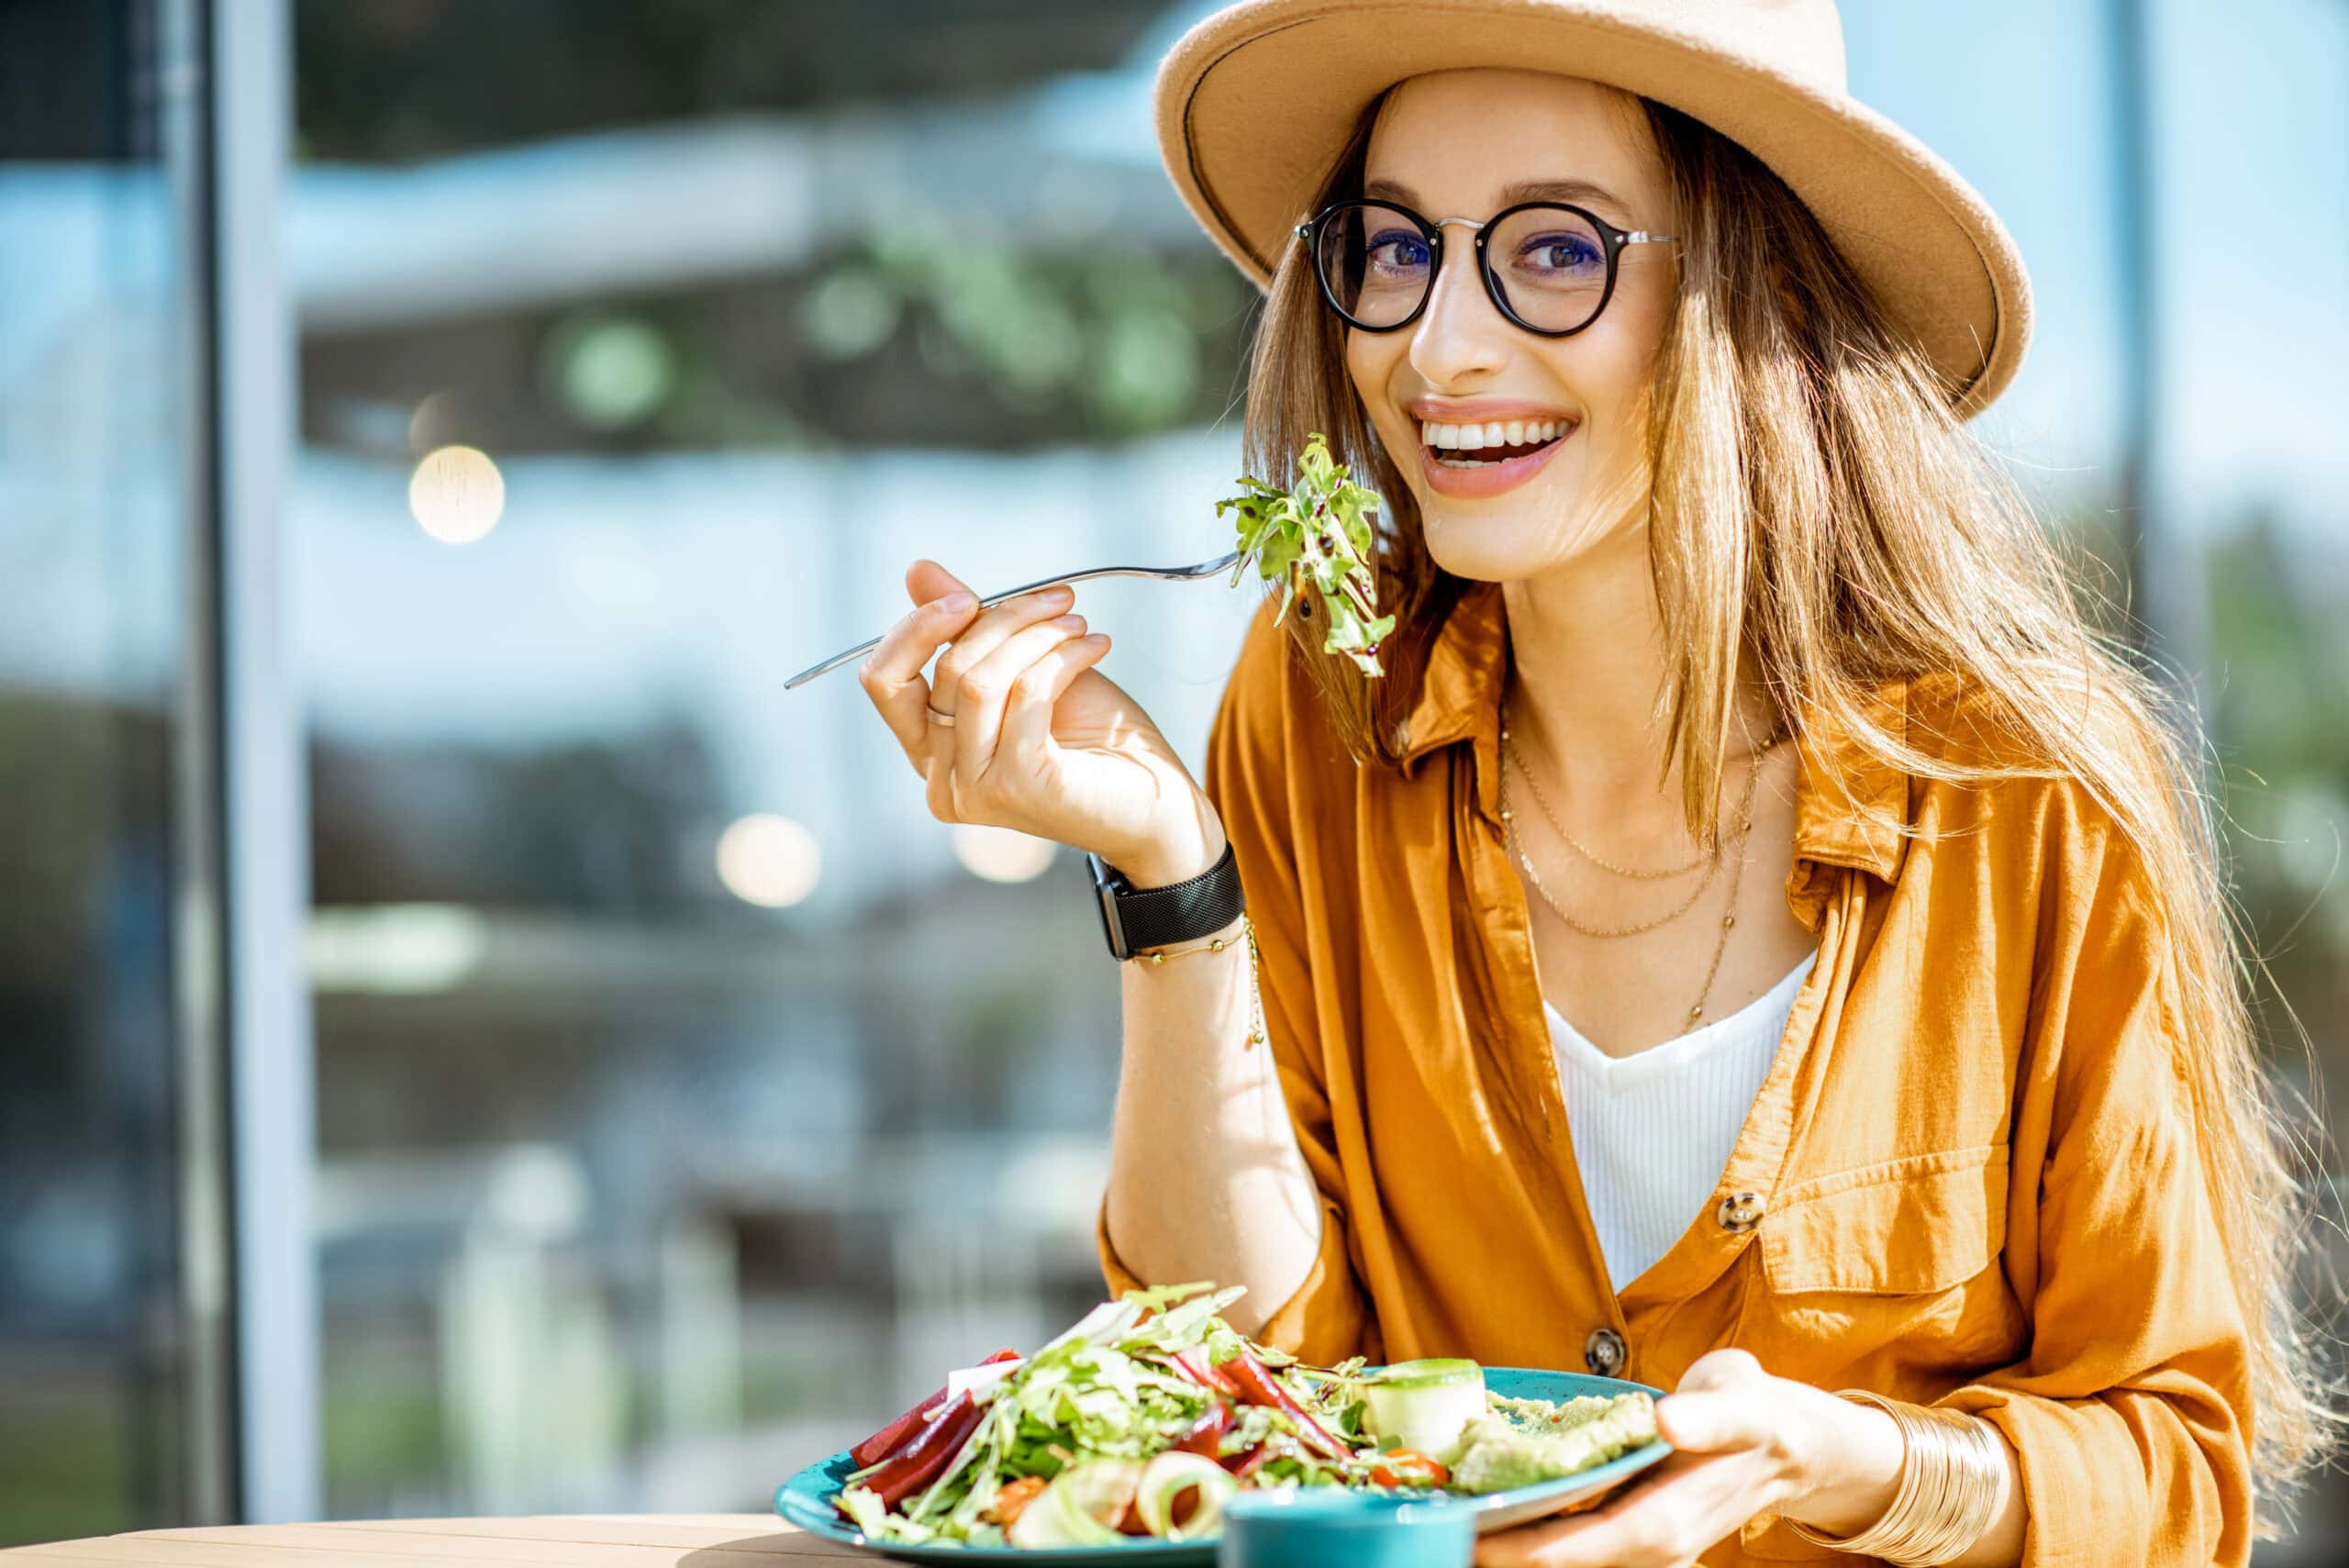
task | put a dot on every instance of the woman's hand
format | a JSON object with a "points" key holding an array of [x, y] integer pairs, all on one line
{"points": [[1040, 740], [1747, 1444]]}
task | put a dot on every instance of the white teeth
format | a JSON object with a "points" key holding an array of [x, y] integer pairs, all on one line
{"points": [[1471, 438]]}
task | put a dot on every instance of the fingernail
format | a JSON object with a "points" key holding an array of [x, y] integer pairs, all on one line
{"points": [[1070, 623], [960, 599]]}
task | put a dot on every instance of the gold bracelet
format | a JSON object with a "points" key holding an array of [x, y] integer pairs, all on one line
{"points": [[1951, 1476], [1213, 944], [1156, 956]]}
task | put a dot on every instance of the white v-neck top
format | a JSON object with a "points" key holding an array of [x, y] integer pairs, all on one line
{"points": [[1653, 1131]]}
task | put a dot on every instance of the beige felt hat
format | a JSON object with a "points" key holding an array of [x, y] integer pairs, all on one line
{"points": [[1255, 101]]}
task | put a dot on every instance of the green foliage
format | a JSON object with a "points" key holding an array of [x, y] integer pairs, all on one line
{"points": [[1316, 536]]}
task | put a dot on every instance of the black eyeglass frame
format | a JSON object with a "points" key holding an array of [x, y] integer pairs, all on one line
{"points": [[1615, 239]]}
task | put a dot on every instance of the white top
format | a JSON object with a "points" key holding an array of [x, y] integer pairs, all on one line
{"points": [[1654, 1132]]}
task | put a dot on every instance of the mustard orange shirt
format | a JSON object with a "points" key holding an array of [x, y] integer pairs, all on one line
{"points": [[1971, 1177]]}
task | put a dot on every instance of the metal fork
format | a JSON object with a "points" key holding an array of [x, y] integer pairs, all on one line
{"points": [[1164, 573]]}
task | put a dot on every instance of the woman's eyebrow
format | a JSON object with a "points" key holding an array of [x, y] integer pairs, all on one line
{"points": [[1579, 192]]}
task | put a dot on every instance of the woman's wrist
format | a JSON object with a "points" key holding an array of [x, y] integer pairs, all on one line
{"points": [[1187, 846], [1852, 1473]]}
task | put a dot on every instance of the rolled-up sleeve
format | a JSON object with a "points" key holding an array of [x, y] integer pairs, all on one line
{"points": [[2132, 1412], [1251, 779]]}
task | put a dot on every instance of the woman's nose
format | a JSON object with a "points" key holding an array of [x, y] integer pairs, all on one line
{"points": [[1460, 335]]}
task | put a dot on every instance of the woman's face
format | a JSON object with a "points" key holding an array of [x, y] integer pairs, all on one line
{"points": [[1466, 144]]}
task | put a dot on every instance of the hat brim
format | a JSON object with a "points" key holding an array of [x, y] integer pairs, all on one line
{"points": [[1254, 103]]}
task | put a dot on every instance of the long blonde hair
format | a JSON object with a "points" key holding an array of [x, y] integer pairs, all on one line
{"points": [[1818, 515]]}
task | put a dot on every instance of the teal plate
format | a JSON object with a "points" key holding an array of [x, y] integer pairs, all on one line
{"points": [[806, 1499]]}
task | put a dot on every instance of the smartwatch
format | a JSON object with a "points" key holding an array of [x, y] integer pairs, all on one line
{"points": [[1134, 918]]}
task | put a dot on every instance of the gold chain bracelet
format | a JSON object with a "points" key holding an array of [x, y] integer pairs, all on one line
{"points": [[1950, 1477], [1157, 956]]}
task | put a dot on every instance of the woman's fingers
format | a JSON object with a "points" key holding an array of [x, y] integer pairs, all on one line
{"points": [[1723, 1400], [988, 633], [892, 677], [980, 693], [1028, 711], [1672, 1516], [1713, 1419], [927, 580]]}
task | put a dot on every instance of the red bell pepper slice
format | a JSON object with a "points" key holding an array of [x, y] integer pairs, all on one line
{"points": [[1206, 1436], [1243, 1465], [1194, 1365], [1257, 1385], [917, 1464], [891, 1438]]}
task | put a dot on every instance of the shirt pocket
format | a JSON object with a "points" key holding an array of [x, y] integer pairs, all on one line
{"points": [[1915, 1226]]}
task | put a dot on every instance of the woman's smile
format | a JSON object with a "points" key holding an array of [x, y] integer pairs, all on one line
{"points": [[1475, 448]]}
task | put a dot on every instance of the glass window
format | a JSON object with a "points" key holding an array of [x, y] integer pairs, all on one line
{"points": [[686, 1093], [96, 1351]]}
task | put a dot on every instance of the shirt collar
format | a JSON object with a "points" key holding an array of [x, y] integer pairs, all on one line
{"points": [[1849, 806]]}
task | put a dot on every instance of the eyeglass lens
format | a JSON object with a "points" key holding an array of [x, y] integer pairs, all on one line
{"points": [[1548, 262]]}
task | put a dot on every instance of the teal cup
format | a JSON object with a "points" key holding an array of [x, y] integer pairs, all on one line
{"points": [[1319, 1526]]}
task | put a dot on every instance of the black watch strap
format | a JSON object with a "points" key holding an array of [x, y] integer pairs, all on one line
{"points": [[1135, 918]]}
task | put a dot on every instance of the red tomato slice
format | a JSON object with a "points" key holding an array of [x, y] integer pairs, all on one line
{"points": [[1408, 1467]]}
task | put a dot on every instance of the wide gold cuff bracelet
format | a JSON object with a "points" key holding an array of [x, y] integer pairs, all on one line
{"points": [[1950, 1477]]}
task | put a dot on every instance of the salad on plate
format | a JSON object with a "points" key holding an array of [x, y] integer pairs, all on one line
{"points": [[1146, 1418]]}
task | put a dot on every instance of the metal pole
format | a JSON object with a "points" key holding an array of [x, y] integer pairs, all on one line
{"points": [[2167, 612], [266, 859], [207, 1479], [2124, 41]]}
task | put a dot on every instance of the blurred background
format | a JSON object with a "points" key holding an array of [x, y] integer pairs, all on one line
{"points": [[468, 1042]]}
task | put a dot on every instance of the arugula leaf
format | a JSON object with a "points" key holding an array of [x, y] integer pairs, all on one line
{"points": [[1319, 536]]}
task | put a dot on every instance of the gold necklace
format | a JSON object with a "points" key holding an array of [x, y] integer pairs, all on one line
{"points": [[1508, 756], [1736, 876], [1728, 918], [1744, 819]]}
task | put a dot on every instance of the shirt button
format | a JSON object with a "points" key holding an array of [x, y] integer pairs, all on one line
{"points": [[1603, 1352], [1740, 1211]]}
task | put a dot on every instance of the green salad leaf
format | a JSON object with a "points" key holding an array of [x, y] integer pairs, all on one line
{"points": [[1318, 535]]}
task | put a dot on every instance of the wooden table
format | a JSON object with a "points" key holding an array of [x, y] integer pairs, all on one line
{"points": [[587, 1541]]}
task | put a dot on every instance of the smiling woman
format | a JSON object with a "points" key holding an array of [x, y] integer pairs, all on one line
{"points": [[1659, 350]]}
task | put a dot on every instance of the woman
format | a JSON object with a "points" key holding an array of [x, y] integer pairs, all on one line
{"points": [[1753, 939]]}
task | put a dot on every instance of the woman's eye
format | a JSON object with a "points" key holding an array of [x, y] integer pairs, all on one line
{"points": [[1397, 251], [1561, 252]]}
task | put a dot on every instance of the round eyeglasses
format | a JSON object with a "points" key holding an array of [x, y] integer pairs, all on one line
{"points": [[1548, 267]]}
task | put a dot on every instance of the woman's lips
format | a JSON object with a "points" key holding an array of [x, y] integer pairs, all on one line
{"points": [[1493, 479]]}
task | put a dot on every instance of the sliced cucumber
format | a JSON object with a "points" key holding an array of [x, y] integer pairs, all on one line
{"points": [[1080, 1508], [1425, 1405], [1165, 1481]]}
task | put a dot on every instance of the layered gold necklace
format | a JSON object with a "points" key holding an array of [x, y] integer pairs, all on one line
{"points": [[1710, 863]]}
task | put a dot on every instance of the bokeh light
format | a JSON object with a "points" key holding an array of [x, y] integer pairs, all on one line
{"points": [[457, 493], [1001, 854], [849, 314], [612, 372], [393, 950], [769, 860]]}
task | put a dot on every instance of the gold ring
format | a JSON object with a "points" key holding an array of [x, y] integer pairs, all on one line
{"points": [[943, 720]]}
